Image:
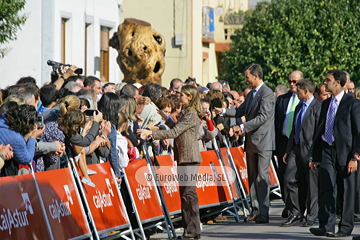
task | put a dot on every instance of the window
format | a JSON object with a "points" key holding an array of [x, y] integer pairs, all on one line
{"points": [[63, 39], [87, 45], [104, 54]]}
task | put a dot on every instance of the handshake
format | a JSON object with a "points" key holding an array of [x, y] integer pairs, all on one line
{"points": [[237, 130]]}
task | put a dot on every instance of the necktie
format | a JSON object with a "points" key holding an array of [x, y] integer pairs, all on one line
{"points": [[330, 122], [251, 96], [291, 115], [299, 124]]}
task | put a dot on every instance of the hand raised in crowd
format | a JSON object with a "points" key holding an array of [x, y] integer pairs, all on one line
{"points": [[7, 151], [60, 148], [144, 133], [162, 114], [237, 130], [105, 128], [98, 116], [217, 111], [35, 133], [70, 71], [207, 115], [100, 141], [220, 126], [143, 100], [152, 127], [87, 127]]}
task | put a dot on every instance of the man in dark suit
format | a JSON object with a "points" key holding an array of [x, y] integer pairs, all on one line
{"points": [[300, 181], [258, 109], [337, 147], [284, 114]]}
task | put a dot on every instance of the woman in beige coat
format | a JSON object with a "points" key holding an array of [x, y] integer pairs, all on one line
{"points": [[186, 152]]}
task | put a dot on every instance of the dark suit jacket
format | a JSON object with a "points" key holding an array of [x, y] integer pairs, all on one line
{"points": [[259, 125], [346, 130], [280, 113], [308, 128]]}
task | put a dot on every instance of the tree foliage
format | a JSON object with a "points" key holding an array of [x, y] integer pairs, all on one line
{"points": [[10, 21], [313, 36]]}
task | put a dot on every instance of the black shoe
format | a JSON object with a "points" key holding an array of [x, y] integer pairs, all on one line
{"points": [[262, 220], [285, 213], [336, 235], [308, 224], [292, 220], [356, 238], [194, 236], [319, 231]]}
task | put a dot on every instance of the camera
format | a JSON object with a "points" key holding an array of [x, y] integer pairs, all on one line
{"points": [[57, 66]]}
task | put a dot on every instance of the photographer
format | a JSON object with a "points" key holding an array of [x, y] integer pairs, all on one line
{"points": [[62, 78]]}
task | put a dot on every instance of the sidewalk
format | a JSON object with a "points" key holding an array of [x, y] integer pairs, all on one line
{"points": [[229, 229]]}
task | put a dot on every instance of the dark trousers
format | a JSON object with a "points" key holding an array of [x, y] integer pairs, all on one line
{"points": [[301, 186], [281, 168], [258, 174], [357, 194], [334, 179], [189, 199]]}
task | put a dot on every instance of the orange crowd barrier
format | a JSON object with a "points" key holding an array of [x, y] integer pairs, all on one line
{"points": [[143, 189], [169, 185], [238, 155], [22, 215], [226, 161], [210, 190], [104, 200], [62, 203]]}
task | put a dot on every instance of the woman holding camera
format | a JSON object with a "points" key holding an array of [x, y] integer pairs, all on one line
{"points": [[186, 152]]}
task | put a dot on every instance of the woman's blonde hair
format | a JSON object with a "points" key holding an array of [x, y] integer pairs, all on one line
{"points": [[123, 118], [68, 103], [194, 103], [357, 93]]}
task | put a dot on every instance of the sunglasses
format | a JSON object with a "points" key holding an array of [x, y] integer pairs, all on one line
{"points": [[292, 81]]}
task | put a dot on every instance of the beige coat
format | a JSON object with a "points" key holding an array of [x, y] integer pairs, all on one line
{"points": [[185, 133]]}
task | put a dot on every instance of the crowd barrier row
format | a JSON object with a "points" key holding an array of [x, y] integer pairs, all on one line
{"points": [[56, 205]]}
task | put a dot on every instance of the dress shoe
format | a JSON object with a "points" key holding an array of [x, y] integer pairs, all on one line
{"points": [[292, 220], [252, 218], [337, 235], [356, 238], [262, 220], [194, 236], [285, 213], [308, 224], [319, 231]]}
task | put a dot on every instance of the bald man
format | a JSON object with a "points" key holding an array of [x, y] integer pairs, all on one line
{"points": [[284, 115]]}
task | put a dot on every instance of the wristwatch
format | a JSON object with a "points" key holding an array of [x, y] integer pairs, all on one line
{"points": [[2, 156]]}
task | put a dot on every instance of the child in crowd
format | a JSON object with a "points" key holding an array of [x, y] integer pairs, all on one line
{"points": [[122, 142]]}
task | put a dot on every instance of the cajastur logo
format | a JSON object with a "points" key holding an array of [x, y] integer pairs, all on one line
{"points": [[68, 194], [109, 187], [27, 203]]}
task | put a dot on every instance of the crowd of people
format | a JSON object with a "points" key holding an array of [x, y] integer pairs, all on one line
{"points": [[310, 133]]}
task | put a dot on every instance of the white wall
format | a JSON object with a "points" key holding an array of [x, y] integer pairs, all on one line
{"points": [[24, 58], [40, 38]]}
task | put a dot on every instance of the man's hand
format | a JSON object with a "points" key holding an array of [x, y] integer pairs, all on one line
{"points": [[313, 166], [352, 166], [237, 130], [284, 158], [217, 111], [162, 114]]}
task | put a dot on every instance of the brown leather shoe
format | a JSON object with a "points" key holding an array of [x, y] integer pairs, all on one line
{"points": [[252, 218]]}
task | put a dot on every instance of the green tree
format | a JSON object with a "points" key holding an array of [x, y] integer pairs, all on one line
{"points": [[10, 22], [313, 36]]}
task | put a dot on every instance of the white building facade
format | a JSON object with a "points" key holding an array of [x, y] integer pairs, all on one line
{"points": [[73, 32]]}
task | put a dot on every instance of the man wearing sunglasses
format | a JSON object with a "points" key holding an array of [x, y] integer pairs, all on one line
{"points": [[284, 116]]}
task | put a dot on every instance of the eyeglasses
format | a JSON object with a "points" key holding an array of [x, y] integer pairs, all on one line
{"points": [[292, 81]]}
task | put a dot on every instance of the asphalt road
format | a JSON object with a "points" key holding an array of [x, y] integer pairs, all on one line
{"points": [[230, 229]]}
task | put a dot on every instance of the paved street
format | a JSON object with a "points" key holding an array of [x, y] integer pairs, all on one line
{"points": [[229, 229]]}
